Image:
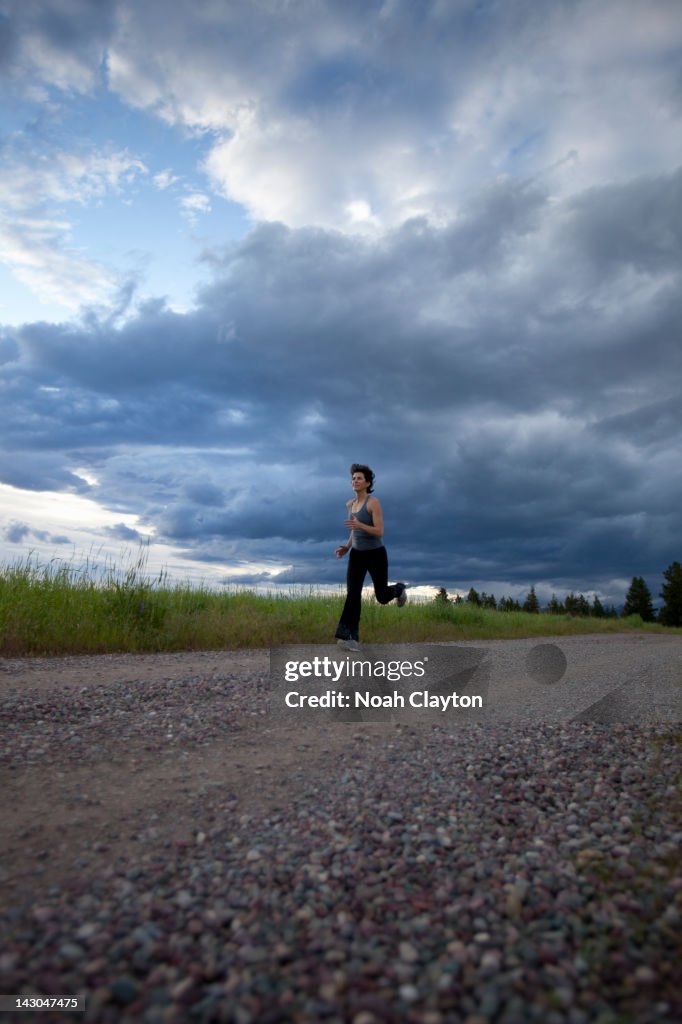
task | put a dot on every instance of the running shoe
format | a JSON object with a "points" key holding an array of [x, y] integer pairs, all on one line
{"points": [[401, 600], [349, 645]]}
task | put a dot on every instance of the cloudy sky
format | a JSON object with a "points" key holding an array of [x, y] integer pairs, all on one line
{"points": [[244, 243]]}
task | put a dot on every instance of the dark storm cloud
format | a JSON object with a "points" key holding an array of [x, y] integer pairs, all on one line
{"points": [[436, 315], [123, 532], [513, 376], [17, 533], [636, 224], [62, 39], [37, 470]]}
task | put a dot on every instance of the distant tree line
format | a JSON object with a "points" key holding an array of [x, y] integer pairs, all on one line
{"points": [[637, 601]]}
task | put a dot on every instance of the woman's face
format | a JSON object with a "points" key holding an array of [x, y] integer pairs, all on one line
{"points": [[359, 482]]}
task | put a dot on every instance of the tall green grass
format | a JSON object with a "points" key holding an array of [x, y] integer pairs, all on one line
{"points": [[57, 608]]}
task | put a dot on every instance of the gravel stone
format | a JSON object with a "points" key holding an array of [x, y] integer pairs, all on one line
{"points": [[501, 873]]}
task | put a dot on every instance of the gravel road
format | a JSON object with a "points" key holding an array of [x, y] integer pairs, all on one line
{"points": [[173, 852]]}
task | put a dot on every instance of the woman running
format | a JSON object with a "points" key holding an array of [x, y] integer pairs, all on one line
{"points": [[367, 555]]}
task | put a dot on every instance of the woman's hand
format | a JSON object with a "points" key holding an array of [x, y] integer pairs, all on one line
{"points": [[340, 552], [377, 529]]}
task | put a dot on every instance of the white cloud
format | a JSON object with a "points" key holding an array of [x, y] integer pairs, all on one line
{"points": [[67, 70], [194, 204], [85, 474], [320, 113], [31, 178], [38, 254], [36, 232], [64, 511], [164, 179], [262, 168], [360, 212], [310, 109]]}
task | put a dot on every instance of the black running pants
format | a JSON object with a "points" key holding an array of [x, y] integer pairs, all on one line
{"points": [[375, 562]]}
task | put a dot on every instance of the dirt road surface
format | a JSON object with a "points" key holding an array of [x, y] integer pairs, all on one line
{"points": [[111, 765]]}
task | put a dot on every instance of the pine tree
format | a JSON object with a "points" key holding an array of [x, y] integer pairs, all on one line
{"points": [[638, 600], [488, 601], [473, 598], [442, 596], [577, 604], [597, 608], [555, 607], [531, 604], [671, 612]]}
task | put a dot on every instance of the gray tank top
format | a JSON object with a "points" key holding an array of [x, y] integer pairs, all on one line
{"points": [[365, 541]]}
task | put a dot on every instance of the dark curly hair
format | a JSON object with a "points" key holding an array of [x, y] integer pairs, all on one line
{"points": [[358, 467]]}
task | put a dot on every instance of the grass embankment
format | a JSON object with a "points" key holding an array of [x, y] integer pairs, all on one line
{"points": [[57, 609]]}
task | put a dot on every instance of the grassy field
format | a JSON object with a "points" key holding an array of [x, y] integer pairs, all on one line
{"points": [[58, 609]]}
